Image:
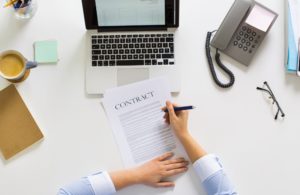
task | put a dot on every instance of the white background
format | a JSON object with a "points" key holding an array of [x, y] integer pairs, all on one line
{"points": [[260, 155]]}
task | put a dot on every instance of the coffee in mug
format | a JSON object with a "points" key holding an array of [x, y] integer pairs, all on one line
{"points": [[13, 65]]}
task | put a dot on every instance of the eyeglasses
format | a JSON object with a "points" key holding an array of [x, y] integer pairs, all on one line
{"points": [[271, 96]]}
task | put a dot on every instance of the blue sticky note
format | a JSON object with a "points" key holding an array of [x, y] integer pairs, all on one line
{"points": [[45, 51]]}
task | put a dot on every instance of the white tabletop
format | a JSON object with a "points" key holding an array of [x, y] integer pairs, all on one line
{"points": [[259, 154]]}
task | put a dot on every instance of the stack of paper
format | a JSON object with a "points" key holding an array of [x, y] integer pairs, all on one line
{"points": [[292, 34]]}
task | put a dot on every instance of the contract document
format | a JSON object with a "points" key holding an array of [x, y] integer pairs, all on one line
{"points": [[134, 112]]}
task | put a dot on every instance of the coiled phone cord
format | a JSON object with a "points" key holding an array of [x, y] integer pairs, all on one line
{"points": [[219, 63]]}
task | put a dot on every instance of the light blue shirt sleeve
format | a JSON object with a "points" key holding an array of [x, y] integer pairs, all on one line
{"points": [[208, 168], [96, 184], [212, 176]]}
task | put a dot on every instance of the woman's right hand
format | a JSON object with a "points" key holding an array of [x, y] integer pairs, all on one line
{"points": [[179, 123], [177, 120]]}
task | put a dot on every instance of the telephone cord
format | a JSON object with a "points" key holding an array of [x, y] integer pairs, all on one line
{"points": [[219, 63]]}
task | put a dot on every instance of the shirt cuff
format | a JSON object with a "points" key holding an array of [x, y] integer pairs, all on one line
{"points": [[207, 166], [102, 183]]}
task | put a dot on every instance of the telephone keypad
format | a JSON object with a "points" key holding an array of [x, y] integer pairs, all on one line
{"points": [[246, 38]]}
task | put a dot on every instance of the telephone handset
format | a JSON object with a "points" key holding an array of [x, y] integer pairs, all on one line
{"points": [[240, 35]]}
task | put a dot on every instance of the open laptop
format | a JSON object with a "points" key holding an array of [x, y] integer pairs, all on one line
{"points": [[131, 40]]}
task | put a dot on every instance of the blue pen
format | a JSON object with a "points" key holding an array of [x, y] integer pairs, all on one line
{"points": [[18, 4], [176, 109]]}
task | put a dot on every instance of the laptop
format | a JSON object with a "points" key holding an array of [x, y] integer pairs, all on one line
{"points": [[130, 41]]}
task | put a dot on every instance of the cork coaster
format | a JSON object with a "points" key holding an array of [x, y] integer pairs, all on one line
{"points": [[21, 79]]}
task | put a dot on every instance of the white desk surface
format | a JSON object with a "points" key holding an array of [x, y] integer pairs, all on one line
{"points": [[259, 154]]}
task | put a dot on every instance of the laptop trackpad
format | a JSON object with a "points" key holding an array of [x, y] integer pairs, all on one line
{"points": [[130, 75]]}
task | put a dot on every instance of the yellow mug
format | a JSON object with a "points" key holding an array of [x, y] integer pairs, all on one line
{"points": [[13, 65]]}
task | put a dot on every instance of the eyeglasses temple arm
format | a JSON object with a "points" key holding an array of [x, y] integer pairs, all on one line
{"points": [[262, 89], [275, 100]]}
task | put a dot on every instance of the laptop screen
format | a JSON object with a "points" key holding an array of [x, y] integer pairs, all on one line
{"points": [[112, 13], [122, 15]]}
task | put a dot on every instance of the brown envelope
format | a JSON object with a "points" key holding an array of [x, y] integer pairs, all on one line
{"points": [[18, 130]]}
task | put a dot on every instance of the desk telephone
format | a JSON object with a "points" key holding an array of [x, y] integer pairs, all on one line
{"points": [[240, 35]]}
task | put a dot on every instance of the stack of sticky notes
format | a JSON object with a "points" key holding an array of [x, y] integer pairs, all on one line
{"points": [[45, 52]]}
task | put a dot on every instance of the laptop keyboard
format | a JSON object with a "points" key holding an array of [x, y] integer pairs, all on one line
{"points": [[133, 49]]}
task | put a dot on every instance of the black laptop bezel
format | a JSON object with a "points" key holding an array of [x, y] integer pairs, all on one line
{"points": [[91, 22]]}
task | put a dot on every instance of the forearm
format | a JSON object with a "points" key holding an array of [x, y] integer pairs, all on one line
{"points": [[192, 147], [124, 178]]}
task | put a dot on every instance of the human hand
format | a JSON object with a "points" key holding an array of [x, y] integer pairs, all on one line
{"points": [[177, 120], [154, 172]]}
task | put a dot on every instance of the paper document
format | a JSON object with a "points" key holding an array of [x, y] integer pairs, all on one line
{"points": [[135, 114]]}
